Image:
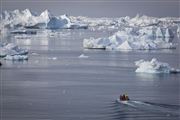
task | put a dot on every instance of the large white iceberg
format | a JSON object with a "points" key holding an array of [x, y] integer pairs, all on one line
{"points": [[154, 66], [11, 51], [134, 38], [25, 18]]}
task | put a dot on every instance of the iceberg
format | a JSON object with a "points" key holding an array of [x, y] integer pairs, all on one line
{"points": [[133, 39], [143, 21], [45, 20], [154, 66], [123, 22], [11, 51], [26, 19]]}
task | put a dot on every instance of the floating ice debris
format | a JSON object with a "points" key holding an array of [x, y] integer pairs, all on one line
{"points": [[26, 19], [52, 58], [134, 38], [33, 53], [154, 66], [83, 56], [29, 32], [16, 57]]}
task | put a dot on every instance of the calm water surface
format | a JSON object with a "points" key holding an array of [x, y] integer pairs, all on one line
{"points": [[54, 84]]}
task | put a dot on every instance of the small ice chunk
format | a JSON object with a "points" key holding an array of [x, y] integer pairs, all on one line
{"points": [[53, 58], [83, 56], [154, 66], [33, 53]]}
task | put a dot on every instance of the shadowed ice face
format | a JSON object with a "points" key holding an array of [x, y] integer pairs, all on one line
{"points": [[98, 8]]}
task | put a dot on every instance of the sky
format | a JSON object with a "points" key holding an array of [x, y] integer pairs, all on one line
{"points": [[98, 8]]}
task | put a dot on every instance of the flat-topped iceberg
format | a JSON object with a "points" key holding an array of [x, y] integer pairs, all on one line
{"points": [[154, 66], [27, 19], [11, 51], [134, 38]]}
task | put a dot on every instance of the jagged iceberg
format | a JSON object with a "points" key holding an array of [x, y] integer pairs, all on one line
{"points": [[154, 66], [134, 38], [27, 19], [11, 51], [116, 23]]}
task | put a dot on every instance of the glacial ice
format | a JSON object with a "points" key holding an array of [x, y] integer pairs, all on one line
{"points": [[134, 38], [154, 66], [121, 22], [26, 19], [11, 51]]}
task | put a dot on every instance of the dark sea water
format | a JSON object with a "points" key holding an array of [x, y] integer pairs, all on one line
{"points": [[54, 84]]}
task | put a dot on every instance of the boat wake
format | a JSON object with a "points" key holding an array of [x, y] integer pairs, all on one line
{"points": [[169, 110]]}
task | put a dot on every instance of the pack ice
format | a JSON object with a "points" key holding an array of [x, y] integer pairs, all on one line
{"points": [[132, 38], [10, 51], [154, 66], [26, 19]]}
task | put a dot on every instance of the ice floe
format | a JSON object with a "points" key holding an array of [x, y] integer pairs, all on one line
{"points": [[154, 66], [10, 51], [134, 38]]}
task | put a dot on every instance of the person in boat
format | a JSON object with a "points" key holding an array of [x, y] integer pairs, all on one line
{"points": [[124, 97], [0, 63]]}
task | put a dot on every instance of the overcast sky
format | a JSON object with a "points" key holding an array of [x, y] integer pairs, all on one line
{"points": [[98, 8]]}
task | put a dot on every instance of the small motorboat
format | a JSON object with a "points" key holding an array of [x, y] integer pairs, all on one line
{"points": [[124, 97]]}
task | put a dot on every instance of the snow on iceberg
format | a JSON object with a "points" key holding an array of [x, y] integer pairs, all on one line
{"points": [[134, 38], [12, 50], [27, 19], [154, 66]]}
